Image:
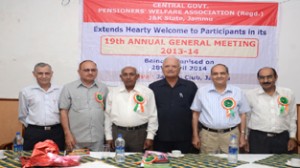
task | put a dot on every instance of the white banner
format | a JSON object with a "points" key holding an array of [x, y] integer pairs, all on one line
{"points": [[141, 33]]}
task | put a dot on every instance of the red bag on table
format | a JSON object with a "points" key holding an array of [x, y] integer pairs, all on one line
{"points": [[46, 154]]}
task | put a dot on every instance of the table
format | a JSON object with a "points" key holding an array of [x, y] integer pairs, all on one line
{"points": [[250, 158], [95, 160]]}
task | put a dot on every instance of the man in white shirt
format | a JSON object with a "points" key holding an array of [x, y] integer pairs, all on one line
{"points": [[272, 120], [131, 111], [38, 109]]}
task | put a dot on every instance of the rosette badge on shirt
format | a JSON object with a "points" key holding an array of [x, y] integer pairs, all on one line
{"points": [[139, 100], [229, 104], [99, 99], [283, 103]]}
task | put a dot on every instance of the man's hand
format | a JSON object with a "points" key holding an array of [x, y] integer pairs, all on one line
{"points": [[196, 142], [111, 144], [148, 144], [292, 144], [246, 147], [242, 141], [195, 125], [70, 141]]}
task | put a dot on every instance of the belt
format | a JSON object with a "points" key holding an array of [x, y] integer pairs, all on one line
{"points": [[46, 128], [269, 134], [219, 130], [132, 128]]}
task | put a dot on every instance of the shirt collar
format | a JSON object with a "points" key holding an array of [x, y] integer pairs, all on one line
{"points": [[165, 83], [52, 87], [213, 88], [136, 88], [79, 84], [261, 91]]}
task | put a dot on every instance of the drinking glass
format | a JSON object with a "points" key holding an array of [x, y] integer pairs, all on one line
{"points": [[105, 151]]}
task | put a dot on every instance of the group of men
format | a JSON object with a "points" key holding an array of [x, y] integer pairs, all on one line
{"points": [[170, 114]]}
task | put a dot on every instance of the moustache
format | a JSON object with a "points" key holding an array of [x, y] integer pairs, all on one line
{"points": [[266, 83]]}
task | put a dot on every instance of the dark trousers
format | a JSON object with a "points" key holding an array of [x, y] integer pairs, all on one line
{"points": [[183, 146], [263, 142], [34, 134], [134, 139]]}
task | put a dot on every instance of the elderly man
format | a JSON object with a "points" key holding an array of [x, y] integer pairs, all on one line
{"points": [[82, 109], [220, 108], [38, 109], [173, 96], [131, 111], [272, 121]]}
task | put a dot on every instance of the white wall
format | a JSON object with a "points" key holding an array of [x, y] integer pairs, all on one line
{"points": [[32, 31], [289, 46]]}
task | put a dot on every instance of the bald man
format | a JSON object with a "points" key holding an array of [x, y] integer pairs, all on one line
{"points": [[131, 111], [173, 96]]}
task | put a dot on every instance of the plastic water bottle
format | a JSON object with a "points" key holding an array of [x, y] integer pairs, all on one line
{"points": [[233, 149], [120, 149], [18, 146]]}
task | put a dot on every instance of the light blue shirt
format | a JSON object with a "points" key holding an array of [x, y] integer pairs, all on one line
{"points": [[39, 107], [208, 102]]}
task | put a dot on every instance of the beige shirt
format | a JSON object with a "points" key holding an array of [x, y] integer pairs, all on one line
{"points": [[265, 112], [120, 110]]}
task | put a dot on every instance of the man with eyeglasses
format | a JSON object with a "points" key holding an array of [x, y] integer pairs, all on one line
{"points": [[131, 111], [221, 109], [38, 109], [82, 105], [272, 120]]}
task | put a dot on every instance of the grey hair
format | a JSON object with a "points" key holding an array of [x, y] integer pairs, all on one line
{"points": [[226, 68], [41, 64]]}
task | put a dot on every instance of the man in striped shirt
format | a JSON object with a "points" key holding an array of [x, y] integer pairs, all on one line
{"points": [[220, 108]]}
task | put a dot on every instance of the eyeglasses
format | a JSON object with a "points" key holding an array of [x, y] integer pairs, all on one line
{"points": [[265, 77], [89, 70]]}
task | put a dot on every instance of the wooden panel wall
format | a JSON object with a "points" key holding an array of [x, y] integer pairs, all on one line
{"points": [[9, 123]]}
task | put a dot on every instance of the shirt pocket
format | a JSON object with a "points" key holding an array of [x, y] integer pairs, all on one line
{"points": [[33, 100], [79, 104], [96, 105]]}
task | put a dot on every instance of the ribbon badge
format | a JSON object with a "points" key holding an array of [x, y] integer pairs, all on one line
{"points": [[99, 98], [139, 102], [229, 104], [283, 103]]}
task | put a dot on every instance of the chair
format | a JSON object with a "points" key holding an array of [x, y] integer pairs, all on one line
{"points": [[6, 146]]}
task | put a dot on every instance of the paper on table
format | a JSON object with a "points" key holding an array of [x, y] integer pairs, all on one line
{"points": [[94, 164], [99, 155]]}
